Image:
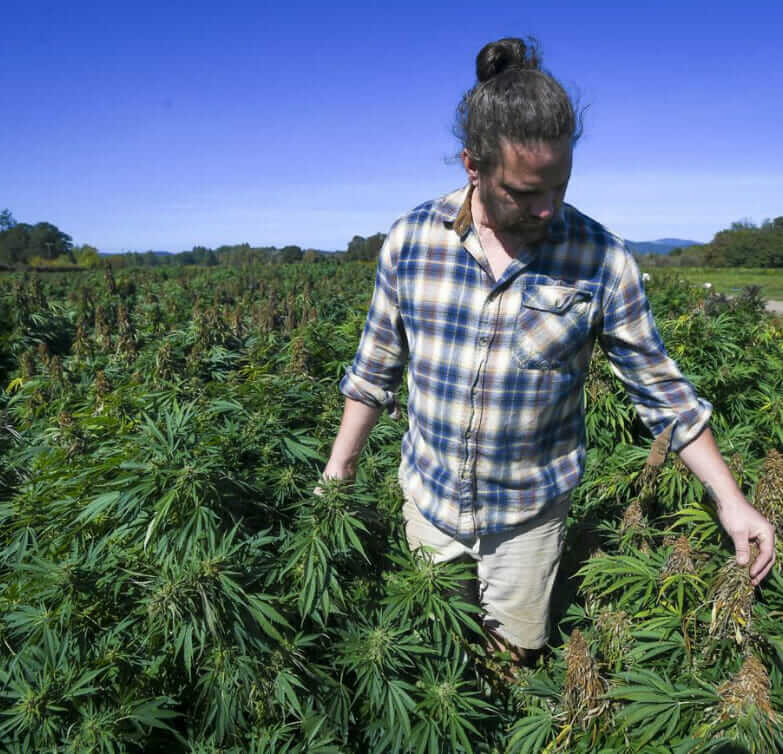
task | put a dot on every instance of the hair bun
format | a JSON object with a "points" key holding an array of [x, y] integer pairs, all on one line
{"points": [[509, 52]]}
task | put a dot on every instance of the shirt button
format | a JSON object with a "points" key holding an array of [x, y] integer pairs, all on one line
{"points": [[483, 340]]}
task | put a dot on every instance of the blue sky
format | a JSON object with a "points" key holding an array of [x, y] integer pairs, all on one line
{"points": [[170, 124]]}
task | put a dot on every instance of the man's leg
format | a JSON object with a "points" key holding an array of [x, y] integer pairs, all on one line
{"points": [[519, 656], [516, 575], [421, 533], [467, 591]]}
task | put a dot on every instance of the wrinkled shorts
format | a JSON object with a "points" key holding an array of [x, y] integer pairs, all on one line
{"points": [[516, 570]]}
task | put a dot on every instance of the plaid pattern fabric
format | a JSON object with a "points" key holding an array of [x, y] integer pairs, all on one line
{"points": [[496, 368]]}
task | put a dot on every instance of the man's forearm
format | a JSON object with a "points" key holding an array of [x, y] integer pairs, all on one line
{"points": [[742, 522], [703, 458], [357, 422]]}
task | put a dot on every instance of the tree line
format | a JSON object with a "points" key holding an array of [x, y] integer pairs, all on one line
{"points": [[25, 243], [744, 244], [45, 245]]}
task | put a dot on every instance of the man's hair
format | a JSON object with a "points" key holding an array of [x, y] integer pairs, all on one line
{"points": [[513, 99]]}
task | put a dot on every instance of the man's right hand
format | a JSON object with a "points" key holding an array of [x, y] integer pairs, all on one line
{"points": [[358, 419], [336, 471]]}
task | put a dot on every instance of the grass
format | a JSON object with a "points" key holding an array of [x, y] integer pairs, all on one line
{"points": [[730, 280]]}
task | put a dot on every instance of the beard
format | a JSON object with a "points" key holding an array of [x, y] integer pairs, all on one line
{"points": [[529, 231], [508, 221]]}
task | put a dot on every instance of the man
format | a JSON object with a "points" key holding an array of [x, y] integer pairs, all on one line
{"points": [[496, 294]]}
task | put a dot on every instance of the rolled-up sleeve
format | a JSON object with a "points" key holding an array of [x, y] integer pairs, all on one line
{"points": [[376, 372], [638, 357]]}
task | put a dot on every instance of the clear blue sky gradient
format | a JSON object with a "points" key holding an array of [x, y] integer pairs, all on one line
{"points": [[166, 125]]}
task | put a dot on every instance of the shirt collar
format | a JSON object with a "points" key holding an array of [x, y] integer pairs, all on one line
{"points": [[454, 210]]}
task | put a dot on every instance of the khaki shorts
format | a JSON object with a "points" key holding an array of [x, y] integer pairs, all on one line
{"points": [[516, 570]]}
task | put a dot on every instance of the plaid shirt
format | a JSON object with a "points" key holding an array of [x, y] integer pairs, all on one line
{"points": [[496, 368]]}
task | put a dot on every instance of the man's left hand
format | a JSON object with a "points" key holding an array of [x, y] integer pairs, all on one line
{"points": [[744, 524]]}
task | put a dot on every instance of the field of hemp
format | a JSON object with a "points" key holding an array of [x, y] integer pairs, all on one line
{"points": [[171, 584]]}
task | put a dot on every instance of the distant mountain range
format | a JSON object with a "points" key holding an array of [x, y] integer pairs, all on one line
{"points": [[661, 246]]}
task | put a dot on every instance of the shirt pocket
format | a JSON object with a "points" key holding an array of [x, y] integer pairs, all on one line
{"points": [[553, 324]]}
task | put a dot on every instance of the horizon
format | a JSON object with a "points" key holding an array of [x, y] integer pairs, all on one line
{"points": [[150, 128], [109, 252]]}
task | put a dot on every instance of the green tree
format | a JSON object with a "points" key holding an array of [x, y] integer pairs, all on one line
{"points": [[746, 245], [745, 224], [6, 220], [86, 255], [48, 242], [366, 249], [14, 242], [291, 254], [202, 255]]}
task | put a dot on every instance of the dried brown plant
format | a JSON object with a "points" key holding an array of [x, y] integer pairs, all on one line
{"points": [[633, 517], [164, 361], [102, 386], [732, 600], [298, 357], [81, 345], [110, 282], [28, 364], [584, 688], [737, 468], [43, 353], [614, 628], [680, 560], [748, 689], [768, 497]]}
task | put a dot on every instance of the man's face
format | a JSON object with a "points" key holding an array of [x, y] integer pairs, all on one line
{"points": [[521, 195]]}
